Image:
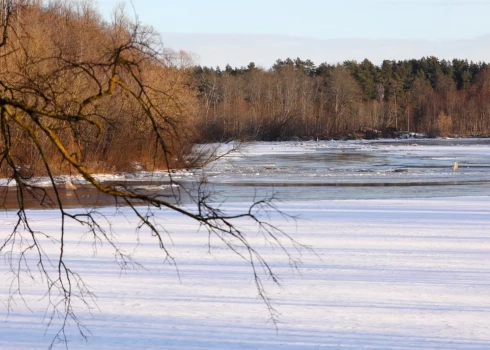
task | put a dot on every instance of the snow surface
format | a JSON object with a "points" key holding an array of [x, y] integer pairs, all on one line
{"points": [[387, 274]]}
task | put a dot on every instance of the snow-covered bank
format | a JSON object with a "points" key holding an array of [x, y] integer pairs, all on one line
{"points": [[390, 274], [137, 176]]}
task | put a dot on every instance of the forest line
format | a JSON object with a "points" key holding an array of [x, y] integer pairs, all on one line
{"points": [[297, 99]]}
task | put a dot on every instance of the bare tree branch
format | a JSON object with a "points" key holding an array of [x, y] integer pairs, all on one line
{"points": [[58, 106]]}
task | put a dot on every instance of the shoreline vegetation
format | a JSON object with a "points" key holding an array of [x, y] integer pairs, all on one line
{"points": [[65, 75]]}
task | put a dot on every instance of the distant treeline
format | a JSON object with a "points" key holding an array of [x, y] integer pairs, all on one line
{"points": [[297, 99]]}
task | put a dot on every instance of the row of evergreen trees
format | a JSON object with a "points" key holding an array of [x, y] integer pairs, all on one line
{"points": [[296, 98]]}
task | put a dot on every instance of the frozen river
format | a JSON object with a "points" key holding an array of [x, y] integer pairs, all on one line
{"points": [[380, 169], [355, 169]]}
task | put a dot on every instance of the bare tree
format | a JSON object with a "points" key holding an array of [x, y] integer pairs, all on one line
{"points": [[66, 95], [344, 93]]}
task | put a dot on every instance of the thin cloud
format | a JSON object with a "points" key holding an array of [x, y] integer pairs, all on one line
{"points": [[435, 3], [240, 49]]}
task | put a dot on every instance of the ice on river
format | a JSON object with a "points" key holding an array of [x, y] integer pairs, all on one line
{"points": [[388, 274], [356, 169], [312, 170]]}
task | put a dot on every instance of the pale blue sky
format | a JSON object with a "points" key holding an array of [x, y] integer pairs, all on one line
{"points": [[241, 31], [323, 19]]}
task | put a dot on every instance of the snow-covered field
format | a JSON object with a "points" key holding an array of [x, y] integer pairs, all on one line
{"points": [[387, 274]]}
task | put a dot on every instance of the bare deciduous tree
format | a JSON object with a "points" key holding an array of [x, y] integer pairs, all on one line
{"points": [[344, 93], [68, 100]]}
